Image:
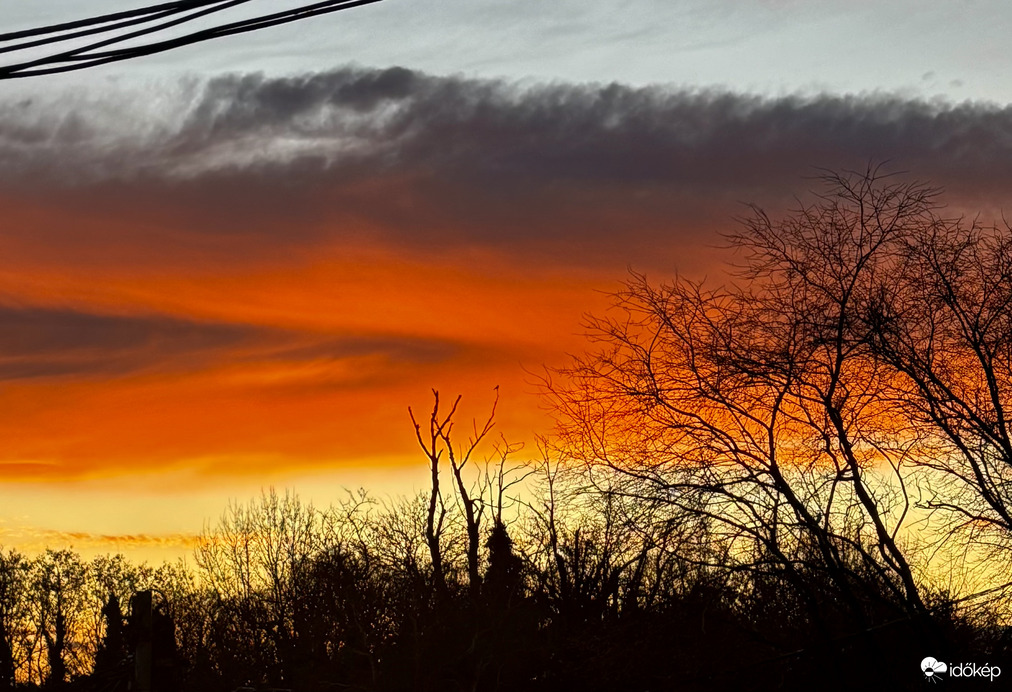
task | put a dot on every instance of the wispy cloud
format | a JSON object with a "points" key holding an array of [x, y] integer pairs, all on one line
{"points": [[32, 538]]}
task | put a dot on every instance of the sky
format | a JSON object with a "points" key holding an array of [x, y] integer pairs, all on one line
{"points": [[237, 264]]}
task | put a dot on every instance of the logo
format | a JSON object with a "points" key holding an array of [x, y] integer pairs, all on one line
{"points": [[933, 669]]}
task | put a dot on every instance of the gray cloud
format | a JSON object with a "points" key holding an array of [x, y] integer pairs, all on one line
{"points": [[428, 161], [40, 342], [455, 128]]}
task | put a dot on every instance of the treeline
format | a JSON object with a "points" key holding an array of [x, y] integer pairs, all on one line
{"points": [[574, 591]]}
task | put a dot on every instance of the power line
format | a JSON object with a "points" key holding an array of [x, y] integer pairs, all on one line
{"points": [[106, 33]]}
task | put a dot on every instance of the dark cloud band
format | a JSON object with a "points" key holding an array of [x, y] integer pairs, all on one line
{"points": [[421, 160]]}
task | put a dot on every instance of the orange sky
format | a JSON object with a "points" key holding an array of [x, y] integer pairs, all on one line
{"points": [[334, 343], [215, 285]]}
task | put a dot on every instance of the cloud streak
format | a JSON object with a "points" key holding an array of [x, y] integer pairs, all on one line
{"points": [[39, 342]]}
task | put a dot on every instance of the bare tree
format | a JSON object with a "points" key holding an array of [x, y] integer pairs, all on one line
{"points": [[258, 561], [436, 513], [14, 616], [437, 443], [58, 590], [762, 407]]}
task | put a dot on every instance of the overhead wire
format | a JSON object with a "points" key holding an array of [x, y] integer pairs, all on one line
{"points": [[115, 27], [105, 18]]}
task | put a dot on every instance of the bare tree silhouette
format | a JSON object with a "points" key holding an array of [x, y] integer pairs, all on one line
{"points": [[437, 445], [59, 582], [14, 612], [767, 407], [944, 323]]}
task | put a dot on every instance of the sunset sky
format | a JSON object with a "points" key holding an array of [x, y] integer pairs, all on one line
{"points": [[237, 264]]}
